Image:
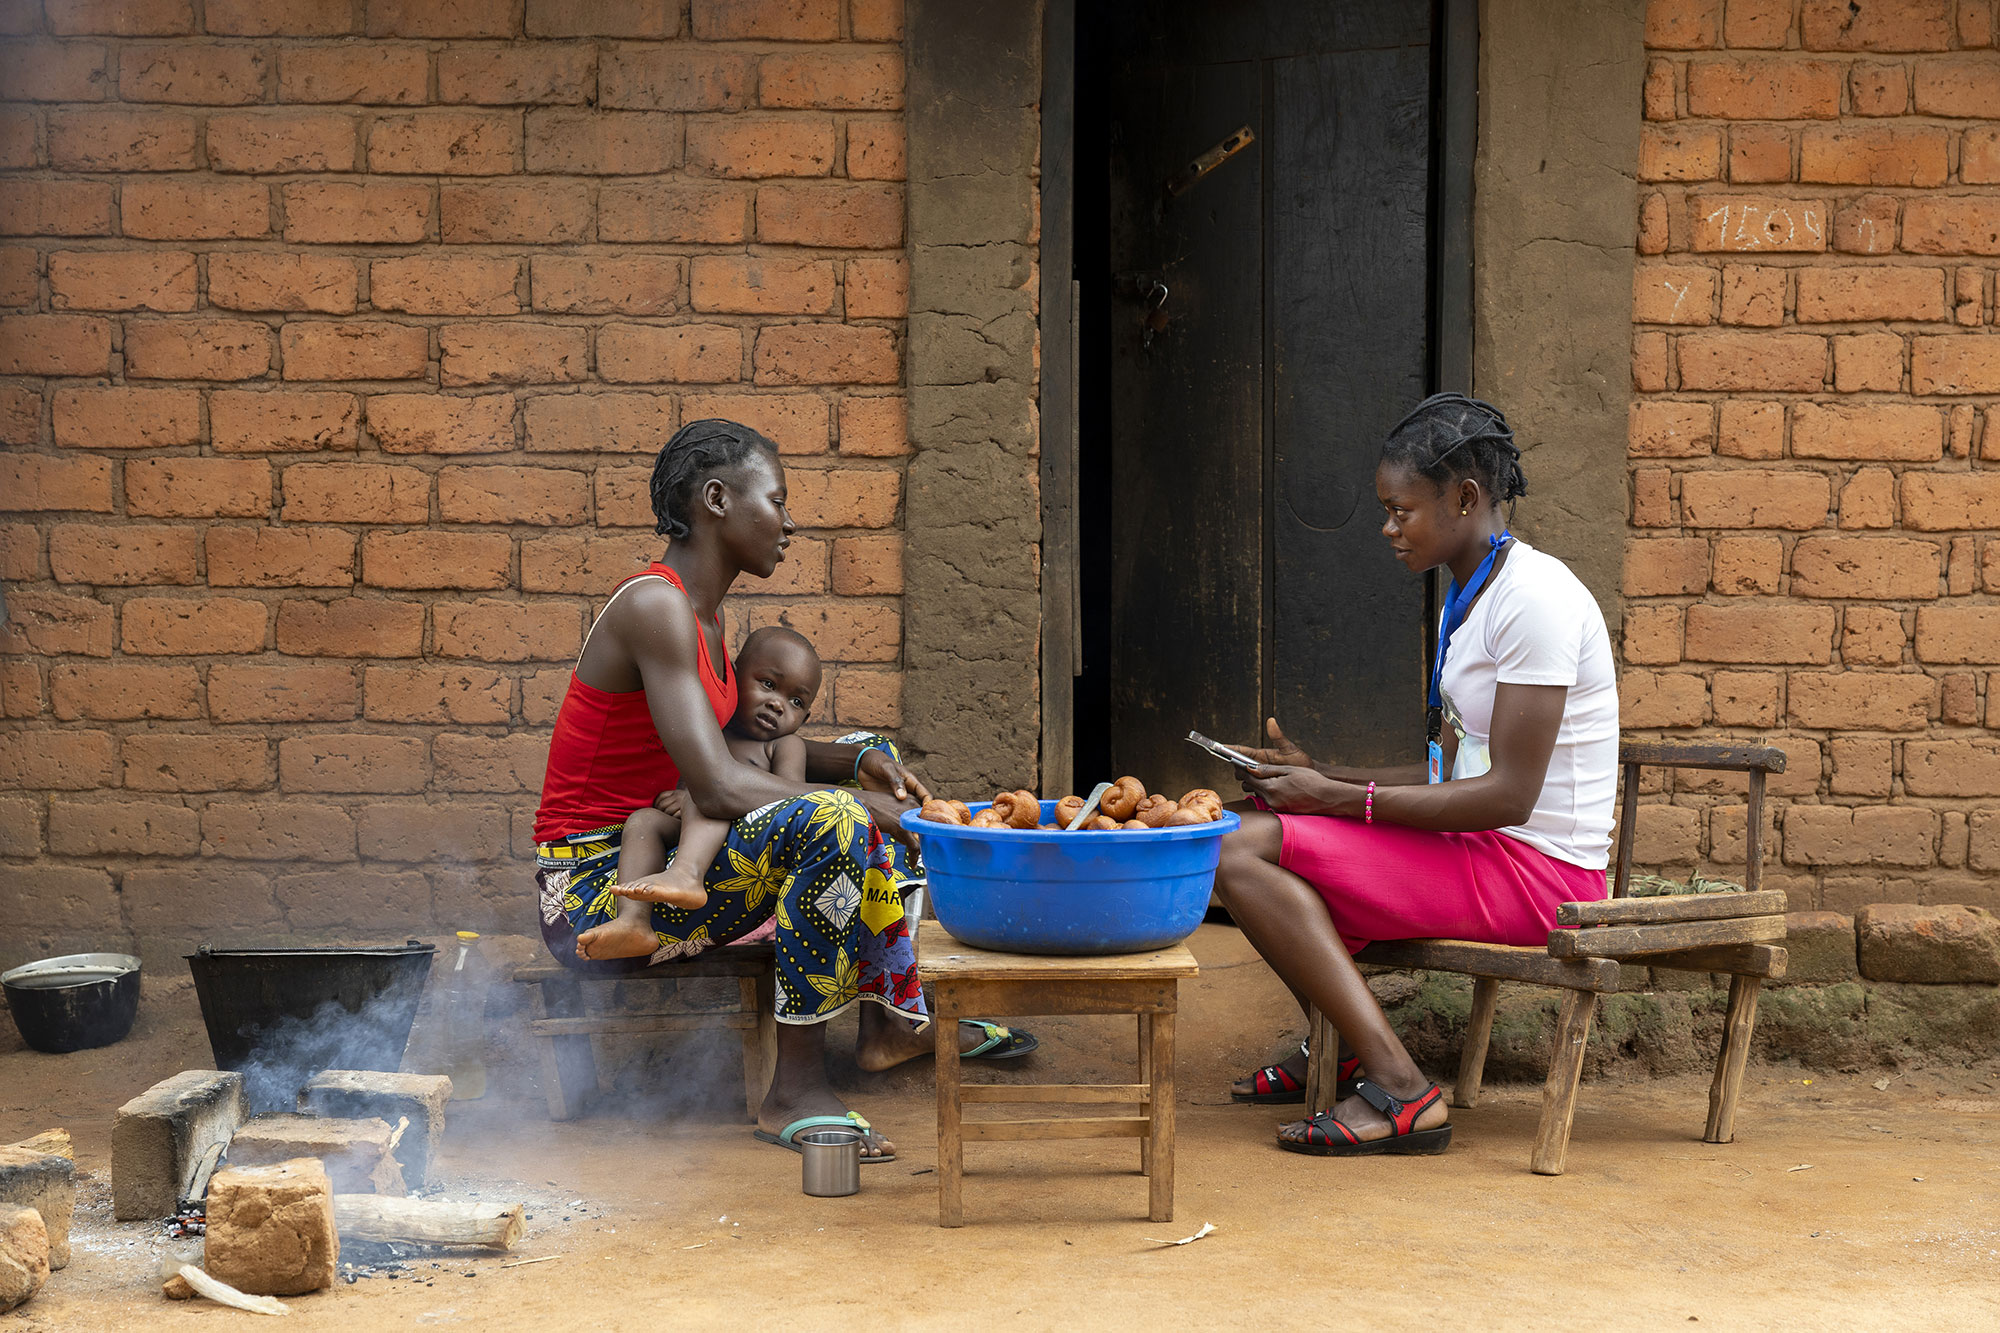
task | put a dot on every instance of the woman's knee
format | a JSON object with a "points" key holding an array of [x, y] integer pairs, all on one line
{"points": [[1260, 840]]}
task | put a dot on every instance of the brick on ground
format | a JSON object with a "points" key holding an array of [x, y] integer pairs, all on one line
{"points": [[355, 1153], [361, 1093], [270, 1228], [1936, 945], [24, 1255], [160, 1134], [45, 1183], [1820, 948]]}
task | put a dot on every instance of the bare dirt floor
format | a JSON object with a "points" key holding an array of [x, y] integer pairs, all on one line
{"points": [[1840, 1205]]}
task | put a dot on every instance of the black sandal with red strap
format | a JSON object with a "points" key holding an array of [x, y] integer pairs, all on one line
{"points": [[1328, 1137], [1274, 1085]]}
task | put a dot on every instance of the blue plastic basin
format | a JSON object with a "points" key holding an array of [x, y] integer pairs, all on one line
{"points": [[1028, 891]]}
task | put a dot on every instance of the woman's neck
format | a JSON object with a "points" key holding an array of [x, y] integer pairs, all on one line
{"points": [[1478, 545], [703, 573]]}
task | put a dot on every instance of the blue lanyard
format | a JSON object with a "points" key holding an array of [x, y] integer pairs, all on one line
{"points": [[1458, 605]]}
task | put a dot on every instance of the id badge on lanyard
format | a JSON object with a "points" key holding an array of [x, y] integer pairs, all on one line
{"points": [[1435, 767], [1457, 603]]}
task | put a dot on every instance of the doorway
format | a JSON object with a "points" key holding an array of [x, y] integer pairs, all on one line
{"points": [[1269, 221]]}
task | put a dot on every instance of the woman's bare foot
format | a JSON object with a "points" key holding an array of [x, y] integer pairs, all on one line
{"points": [[628, 935], [779, 1111], [884, 1042], [669, 887], [1369, 1124]]}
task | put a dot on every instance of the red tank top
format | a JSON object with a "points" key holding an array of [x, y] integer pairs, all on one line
{"points": [[605, 758]]}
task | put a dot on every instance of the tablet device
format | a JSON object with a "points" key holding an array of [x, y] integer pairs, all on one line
{"points": [[1222, 752]]}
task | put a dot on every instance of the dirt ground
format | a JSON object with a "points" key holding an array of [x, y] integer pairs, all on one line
{"points": [[1840, 1205]]}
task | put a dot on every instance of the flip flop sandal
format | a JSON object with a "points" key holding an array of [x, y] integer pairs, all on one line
{"points": [[1327, 1137], [787, 1137], [1000, 1044], [1275, 1086]]}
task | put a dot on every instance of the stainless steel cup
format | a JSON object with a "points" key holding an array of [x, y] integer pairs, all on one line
{"points": [[831, 1162]]}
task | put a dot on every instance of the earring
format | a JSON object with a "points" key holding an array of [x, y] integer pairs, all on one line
{"points": [[1463, 512]]}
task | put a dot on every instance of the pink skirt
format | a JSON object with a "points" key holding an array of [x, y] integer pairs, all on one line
{"points": [[1387, 882]]}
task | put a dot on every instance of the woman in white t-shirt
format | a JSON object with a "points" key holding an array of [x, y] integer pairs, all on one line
{"points": [[1524, 720]]}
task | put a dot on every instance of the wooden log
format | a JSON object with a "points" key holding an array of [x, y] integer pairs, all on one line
{"points": [[1478, 1034], [1748, 960], [1699, 754], [1628, 941], [1670, 907], [380, 1217], [1505, 962]]}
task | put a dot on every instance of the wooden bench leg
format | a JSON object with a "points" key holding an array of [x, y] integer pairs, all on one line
{"points": [[569, 1070], [1730, 1060], [1146, 1078], [1322, 1062], [951, 1144], [1559, 1093], [1478, 1033], [759, 1042], [1160, 1111]]}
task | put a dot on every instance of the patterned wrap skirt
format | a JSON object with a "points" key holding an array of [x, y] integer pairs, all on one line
{"points": [[813, 872]]}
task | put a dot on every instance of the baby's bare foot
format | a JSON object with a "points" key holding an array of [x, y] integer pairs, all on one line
{"points": [[666, 887], [623, 937]]}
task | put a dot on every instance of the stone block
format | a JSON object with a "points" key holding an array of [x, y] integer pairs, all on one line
{"points": [[1821, 948], [367, 1092], [24, 1255], [45, 1183], [160, 1134], [354, 1153], [270, 1228], [1907, 942]]}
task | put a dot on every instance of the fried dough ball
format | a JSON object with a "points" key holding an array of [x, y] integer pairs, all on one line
{"points": [[988, 819], [940, 811], [1019, 808], [1122, 801], [1067, 809]]}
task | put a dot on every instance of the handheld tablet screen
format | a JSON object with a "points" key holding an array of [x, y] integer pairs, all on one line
{"points": [[1222, 752]]}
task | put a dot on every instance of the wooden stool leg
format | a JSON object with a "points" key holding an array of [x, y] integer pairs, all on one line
{"points": [[569, 1070], [1146, 1078], [1478, 1033], [756, 1066], [951, 1145], [1730, 1060], [1559, 1093], [1323, 1064], [1160, 1111]]}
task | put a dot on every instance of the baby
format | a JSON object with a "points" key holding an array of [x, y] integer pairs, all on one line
{"points": [[777, 679]]}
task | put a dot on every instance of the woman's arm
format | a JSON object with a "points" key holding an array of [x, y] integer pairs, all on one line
{"points": [[1283, 752], [875, 769]]}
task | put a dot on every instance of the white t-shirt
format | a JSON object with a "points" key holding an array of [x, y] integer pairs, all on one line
{"points": [[1536, 624]]}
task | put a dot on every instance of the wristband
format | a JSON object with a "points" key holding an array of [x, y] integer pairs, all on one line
{"points": [[1368, 806]]}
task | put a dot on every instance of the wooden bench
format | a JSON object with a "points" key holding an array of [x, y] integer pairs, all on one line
{"points": [[1721, 932], [962, 981], [564, 1021]]}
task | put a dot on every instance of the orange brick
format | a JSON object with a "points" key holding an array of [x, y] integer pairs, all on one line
{"points": [[18, 276], [441, 285], [1861, 766], [279, 422], [1659, 428], [1879, 89], [446, 143], [65, 760], [1755, 499], [436, 559], [442, 18], [1661, 90], [497, 631], [1768, 361], [195, 73], [190, 210], [772, 20], [372, 72], [1832, 835], [428, 834], [55, 208], [129, 555], [677, 213], [1868, 361], [1943, 501], [844, 497], [1759, 88], [281, 693], [120, 18], [357, 212], [1746, 565], [603, 143], [868, 566], [1961, 570], [49, 625], [605, 285], [760, 146], [1743, 223], [427, 423], [161, 280], [127, 418], [826, 354], [622, 423], [669, 354], [1955, 365], [878, 288], [591, 565], [1683, 24], [1952, 225], [542, 695], [834, 215], [1762, 632], [1746, 698], [545, 72], [43, 71], [1872, 636], [277, 831], [1868, 500], [435, 694], [1861, 700], [1652, 635], [513, 353], [1759, 154], [1979, 156], [353, 763], [21, 415], [1930, 768], [543, 496], [1669, 294], [1753, 24], [1874, 155], [35, 483], [795, 422], [668, 78], [541, 213], [54, 345], [623, 497], [1949, 635], [800, 573], [832, 79], [752, 285], [1662, 699], [875, 150], [875, 20], [355, 493], [260, 557], [1652, 498], [354, 350], [351, 627], [1882, 568], [876, 427], [490, 763], [187, 627], [1896, 25], [197, 488], [866, 698], [842, 631], [1967, 86], [138, 828], [1875, 430], [1653, 224], [197, 349], [1753, 294], [602, 18], [293, 281], [163, 761], [124, 692], [281, 141]]}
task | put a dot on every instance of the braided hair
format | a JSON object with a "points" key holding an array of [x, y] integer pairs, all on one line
{"points": [[695, 454], [1448, 437]]}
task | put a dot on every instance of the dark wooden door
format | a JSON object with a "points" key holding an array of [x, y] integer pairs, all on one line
{"points": [[1247, 575]]}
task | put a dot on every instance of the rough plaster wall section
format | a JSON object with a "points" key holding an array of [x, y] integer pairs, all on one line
{"points": [[973, 516], [1553, 228]]}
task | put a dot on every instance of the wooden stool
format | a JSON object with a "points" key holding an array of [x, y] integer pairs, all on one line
{"points": [[564, 1021], [963, 981]]}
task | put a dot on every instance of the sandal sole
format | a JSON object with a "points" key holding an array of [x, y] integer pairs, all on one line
{"points": [[1422, 1143]]}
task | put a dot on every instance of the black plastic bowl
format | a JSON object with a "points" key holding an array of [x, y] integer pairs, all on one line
{"points": [[75, 1002], [282, 1015]]}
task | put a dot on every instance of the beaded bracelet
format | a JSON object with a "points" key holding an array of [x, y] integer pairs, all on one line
{"points": [[1368, 806], [856, 779]]}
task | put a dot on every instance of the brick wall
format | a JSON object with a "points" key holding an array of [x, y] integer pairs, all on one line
{"points": [[1814, 451], [337, 340]]}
